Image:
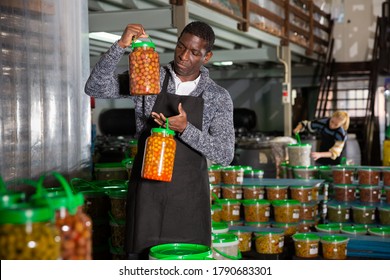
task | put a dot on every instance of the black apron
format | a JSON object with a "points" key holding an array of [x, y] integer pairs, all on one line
{"points": [[170, 212], [327, 142]]}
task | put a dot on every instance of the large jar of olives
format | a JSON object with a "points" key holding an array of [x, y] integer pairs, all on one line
{"points": [[144, 69], [27, 232], [159, 156]]}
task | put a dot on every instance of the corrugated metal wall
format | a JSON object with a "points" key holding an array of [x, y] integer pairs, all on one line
{"points": [[44, 63]]}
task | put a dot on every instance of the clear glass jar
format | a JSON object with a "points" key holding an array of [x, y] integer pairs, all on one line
{"points": [[27, 232], [75, 228], [159, 156], [144, 69]]}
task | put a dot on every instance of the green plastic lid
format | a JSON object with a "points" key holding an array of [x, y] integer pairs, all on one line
{"points": [[25, 213], [246, 167], [216, 207], [369, 168], [305, 237], [247, 202], [355, 229], [285, 202], [215, 167], [133, 142], [141, 44], [334, 239], [363, 207], [384, 207], [276, 187], [8, 199], [117, 193], [301, 187], [343, 167], [369, 187], [163, 130], [233, 168], [218, 226], [309, 167], [229, 201], [382, 231], [328, 227], [325, 168], [179, 249], [254, 171], [344, 186]]}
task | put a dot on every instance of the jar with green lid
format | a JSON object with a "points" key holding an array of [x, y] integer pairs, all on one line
{"points": [[276, 192], [159, 156], [253, 192], [219, 227], [256, 210], [289, 228], [338, 212], [283, 170], [308, 210], [305, 172], [215, 174], [225, 246], [370, 193], [363, 214], [216, 212], [306, 245], [343, 174], [254, 173], [325, 172], [27, 232], [127, 163], [269, 241], [301, 193], [230, 209], [232, 191], [244, 238], [232, 175], [299, 154], [144, 68], [334, 247], [110, 171], [344, 192], [73, 224], [306, 226], [215, 192], [286, 211], [132, 148], [118, 202], [369, 176]]}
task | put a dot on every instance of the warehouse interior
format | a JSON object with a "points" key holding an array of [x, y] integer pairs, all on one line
{"points": [[281, 61]]}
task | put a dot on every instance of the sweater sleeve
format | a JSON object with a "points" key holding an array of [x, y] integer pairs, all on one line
{"points": [[216, 141], [103, 82]]}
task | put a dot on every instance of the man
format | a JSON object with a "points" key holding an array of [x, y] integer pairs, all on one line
{"points": [[201, 113]]}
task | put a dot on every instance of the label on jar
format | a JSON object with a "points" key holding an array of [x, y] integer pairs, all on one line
{"points": [[236, 212], [266, 213], [212, 179], [240, 179], [313, 249], [296, 214], [239, 195]]}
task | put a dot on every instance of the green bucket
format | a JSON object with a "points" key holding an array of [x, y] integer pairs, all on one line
{"points": [[180, 251]]}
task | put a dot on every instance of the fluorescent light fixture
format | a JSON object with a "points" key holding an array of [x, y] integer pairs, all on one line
{"points": [[104, 36], [223, 63]]}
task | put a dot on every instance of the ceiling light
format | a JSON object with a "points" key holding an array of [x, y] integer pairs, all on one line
{"points": [[104, 36], [223, 63]]}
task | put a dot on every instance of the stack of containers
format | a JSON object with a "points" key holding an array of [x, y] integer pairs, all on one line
{"points": [[97, 205], [358, 204]]}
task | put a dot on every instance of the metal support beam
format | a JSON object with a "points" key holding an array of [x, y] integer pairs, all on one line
{"points": [[116, 21], [285, 58]]}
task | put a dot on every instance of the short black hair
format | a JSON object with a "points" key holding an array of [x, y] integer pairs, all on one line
{"points": [[201, 30]]}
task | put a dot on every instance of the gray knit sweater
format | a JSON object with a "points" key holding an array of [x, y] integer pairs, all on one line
{"points": [[216, 139]]}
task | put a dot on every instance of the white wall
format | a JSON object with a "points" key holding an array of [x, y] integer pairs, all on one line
{"points": [[354, 28]]}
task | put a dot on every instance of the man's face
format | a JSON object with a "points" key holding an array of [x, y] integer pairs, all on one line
{"points": [[190, 55]]}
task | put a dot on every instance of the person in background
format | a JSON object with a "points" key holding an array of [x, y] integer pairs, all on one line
{"points": [[333, 136], [201, 113]]}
